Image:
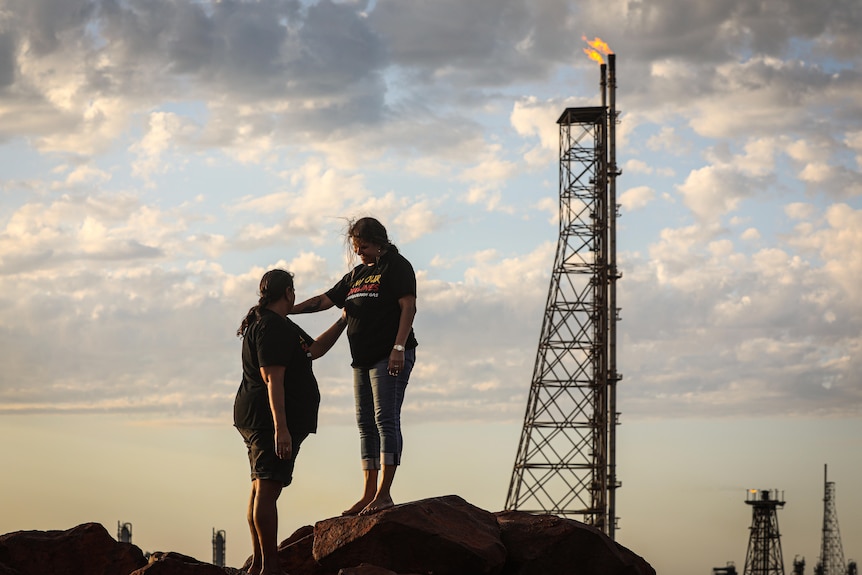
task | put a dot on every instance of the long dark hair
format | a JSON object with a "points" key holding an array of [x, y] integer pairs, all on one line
{"points": [[370, 230], [273, 284]]}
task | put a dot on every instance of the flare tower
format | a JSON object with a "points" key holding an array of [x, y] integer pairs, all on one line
{"points": [[764, 555], [566, 459]]}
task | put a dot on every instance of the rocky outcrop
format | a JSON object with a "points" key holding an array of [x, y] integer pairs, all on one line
{"points": [[547, 544], [295, 554], [87, 549], [439, 536], [172, 563], [443, 535]]}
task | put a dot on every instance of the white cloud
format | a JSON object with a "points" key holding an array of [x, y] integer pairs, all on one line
{"points": [[839, 244], [308, 117], [668, 140], [532, 118], [637, 198], [799, 210], [854, 142], [712, 191], [511, 275], [84, 175], [163, 129], [416, 221], [637, 166], [750, 234]]}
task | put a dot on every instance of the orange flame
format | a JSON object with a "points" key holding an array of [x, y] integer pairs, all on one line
{"points": [[596, 49]]}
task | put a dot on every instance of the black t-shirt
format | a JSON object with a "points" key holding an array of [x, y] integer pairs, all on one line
{"points": [[370, 294], [275, 340]]}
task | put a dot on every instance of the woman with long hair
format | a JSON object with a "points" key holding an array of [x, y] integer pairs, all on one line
{"points": [[379, 298], [276, 405]]}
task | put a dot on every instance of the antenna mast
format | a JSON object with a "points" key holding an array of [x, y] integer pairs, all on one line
{"points": [[831, 561]]}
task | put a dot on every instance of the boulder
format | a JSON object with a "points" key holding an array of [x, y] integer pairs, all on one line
{"points": [[295, 555], [366, 569], [172, 563], [442, 535], [439, 536], [551, 545], [87, 549]]}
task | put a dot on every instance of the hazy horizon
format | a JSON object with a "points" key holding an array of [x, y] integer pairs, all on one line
{"points": [[160, 155]]}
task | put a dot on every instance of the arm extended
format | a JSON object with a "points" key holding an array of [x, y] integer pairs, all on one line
{"points": [[327, 339], [313, 304]]}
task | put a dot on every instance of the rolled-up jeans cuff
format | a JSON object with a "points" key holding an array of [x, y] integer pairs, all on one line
{"points": [[368, 464], [389, 458]]}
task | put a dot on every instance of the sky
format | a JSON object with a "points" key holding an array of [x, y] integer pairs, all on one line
{"points": [[158, 156]]}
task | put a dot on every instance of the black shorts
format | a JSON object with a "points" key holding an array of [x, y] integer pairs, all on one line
{"points": [[264, 462]]}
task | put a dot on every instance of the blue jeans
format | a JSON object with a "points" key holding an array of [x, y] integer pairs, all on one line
{"points": [[378, 398]]}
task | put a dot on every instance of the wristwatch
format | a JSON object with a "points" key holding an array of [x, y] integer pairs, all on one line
{"points": [[398, 347]]}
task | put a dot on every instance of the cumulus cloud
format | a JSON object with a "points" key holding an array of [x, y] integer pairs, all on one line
{"points": [[754, 316], [162, 155], [636, 198]]}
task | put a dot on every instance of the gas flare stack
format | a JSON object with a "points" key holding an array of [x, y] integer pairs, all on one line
{"points": [[566, 459]]}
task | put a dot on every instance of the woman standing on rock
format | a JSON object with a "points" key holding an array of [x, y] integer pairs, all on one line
{"points": [[379, 297], [276, 405]]}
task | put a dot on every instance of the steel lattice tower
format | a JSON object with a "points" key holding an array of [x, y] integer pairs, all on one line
{"points": [[764, 543], [831, 561], [565, 463]]}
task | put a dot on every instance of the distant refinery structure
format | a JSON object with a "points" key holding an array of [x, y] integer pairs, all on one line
{"points": [[124, 532], [831, 560], [124, 535], [764, 555], [219, 545]]}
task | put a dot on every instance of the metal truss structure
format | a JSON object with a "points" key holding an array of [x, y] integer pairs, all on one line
{"points": [[831, 561], [764, 555], [565, 463]]}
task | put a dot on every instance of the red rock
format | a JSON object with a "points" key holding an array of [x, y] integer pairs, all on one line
{"points": [[295, 554], [172, 563], [550, 545], [365, 569], [442, 535], [87, 549]]}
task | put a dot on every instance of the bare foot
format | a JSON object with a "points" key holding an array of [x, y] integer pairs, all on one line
{"points": [[357, 507], [376, 506]]}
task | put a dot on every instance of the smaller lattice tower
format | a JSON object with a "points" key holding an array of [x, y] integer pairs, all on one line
{"points": [[831, 560], [798, 565], [124, 532], [219, 544], [764, 543]]}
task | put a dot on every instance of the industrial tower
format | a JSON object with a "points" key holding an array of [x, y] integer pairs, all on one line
{"points": [[124, 532], [566, 460], [219, 547], [831, 560], [764, 543]]}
